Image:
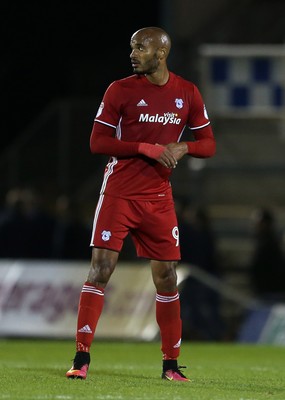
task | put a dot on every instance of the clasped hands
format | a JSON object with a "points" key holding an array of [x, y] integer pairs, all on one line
{"points": [[167, 155]]}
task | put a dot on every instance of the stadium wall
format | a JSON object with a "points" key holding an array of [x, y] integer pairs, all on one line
{"points": [[39, 299]]}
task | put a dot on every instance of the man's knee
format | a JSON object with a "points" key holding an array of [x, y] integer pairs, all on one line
{"points": [[164, 275], [103, 263]]}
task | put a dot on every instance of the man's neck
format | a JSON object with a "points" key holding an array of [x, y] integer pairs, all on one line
{"points": [[159, 78]]}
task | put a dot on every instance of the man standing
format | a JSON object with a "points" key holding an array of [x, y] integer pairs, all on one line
{"points": [[139, 124]]}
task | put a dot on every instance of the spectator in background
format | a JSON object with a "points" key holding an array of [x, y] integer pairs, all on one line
{"points": [[267, 266], [71, 236], [25, 227], [12, 226], [200, 304]]}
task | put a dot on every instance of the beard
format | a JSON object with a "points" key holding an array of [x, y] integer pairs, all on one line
{"points": [[148, 67]]}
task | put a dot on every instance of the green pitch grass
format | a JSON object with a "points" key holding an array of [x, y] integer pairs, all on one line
{"points": [[35, 370]]}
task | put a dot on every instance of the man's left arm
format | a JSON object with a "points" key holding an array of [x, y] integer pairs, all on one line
{"points": [[204, 145]]}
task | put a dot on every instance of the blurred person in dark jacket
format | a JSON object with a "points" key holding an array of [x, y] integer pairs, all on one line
{"points": [[267, 266], [71, 235], [25, 226], [200, 303]]}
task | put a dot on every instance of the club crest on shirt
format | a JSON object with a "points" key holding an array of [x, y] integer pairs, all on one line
{"points": [[106, 235], [100, 109], [179, 103]]}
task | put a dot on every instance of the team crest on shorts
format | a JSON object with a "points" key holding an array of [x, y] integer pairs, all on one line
{"points": [[106, 235]]}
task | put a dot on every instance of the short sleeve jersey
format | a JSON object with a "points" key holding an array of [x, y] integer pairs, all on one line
{"points": [[143, 112]]}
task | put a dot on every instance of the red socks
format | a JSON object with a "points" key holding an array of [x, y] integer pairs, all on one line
{"points": [[169, 321], [89, 310], [167, 315]]}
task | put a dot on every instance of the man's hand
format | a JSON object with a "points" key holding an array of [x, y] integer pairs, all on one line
{"points": [[159, 153], [178, 150], [168, 155]]}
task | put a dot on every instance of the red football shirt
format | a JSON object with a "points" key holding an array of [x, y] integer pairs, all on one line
{"points": [[143, 112]]}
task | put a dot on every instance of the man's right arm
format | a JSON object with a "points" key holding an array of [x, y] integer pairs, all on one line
{"points": [[102, 141]]}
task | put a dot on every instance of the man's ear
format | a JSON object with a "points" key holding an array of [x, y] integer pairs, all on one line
{"points": [[162, 52]]}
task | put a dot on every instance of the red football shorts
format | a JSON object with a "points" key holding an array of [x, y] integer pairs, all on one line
{"points": [[151, 224]]}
